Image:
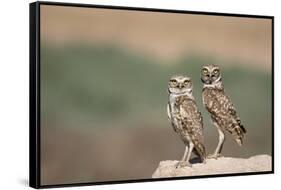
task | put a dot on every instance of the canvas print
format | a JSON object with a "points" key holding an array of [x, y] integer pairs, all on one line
{"points": [[134, 94]]}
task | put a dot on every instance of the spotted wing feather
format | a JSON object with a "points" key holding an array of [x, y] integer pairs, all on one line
{"points": [[224, 113], [192, 123]]}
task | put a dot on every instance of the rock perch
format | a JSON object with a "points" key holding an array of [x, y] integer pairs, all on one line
{"points": [[223, 165]]}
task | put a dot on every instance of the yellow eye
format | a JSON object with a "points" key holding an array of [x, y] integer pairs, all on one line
{"points": [[204, 71], [173, 82], [186, 82], [216, 71]]}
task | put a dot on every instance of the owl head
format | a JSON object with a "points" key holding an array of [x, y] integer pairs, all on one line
{"points": [[210, 74], [180, 84]]}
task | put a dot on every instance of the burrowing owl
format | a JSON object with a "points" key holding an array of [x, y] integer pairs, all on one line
{"points": [[185, 118], [220, 107]]}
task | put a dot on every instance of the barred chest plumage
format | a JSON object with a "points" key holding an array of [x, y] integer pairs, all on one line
{"points": [[214, 103], [210, 98]]}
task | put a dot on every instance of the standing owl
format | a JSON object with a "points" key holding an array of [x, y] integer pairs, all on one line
{"points": [[185, 118], [222, 111]]}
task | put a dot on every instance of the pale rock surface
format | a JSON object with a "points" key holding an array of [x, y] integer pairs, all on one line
{"points": [[222, 165]]}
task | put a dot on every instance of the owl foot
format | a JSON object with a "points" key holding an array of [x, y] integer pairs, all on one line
{"points": [[214, 156], [204, 161], [182, 164]]}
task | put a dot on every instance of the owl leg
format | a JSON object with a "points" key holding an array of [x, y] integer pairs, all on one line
{"points": [[185, 153], [183, 162], [218, 150], [191, 146]]}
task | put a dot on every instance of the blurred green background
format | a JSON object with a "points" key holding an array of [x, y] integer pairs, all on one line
{"points": [[103, 104]]}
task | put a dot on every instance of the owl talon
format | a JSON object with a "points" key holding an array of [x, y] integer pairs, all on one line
{"points": [[204, 161], [182, 164], [214, 156]]}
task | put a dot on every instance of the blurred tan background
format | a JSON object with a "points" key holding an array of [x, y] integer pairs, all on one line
{"points": [[103, 87], [162, 35]]}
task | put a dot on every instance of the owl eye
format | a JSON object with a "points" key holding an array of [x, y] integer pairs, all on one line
{"points": [[186, 82], [216, 71], [204, 71], [173, 82]]}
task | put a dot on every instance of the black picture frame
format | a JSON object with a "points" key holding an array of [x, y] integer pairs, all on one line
{"points": [[34, 93]]}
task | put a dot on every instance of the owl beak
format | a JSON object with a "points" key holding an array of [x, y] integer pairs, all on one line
{"points": [[206, 81]]}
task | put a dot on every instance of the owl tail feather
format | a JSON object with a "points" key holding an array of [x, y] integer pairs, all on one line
{"points": [[240, 131], [239, 124], [243, 129], [239, 141]]}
